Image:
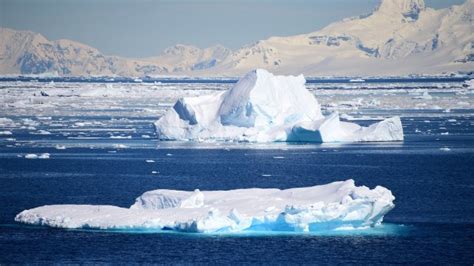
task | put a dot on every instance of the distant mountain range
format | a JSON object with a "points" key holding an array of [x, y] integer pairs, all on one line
{"points": [[400, 37]]}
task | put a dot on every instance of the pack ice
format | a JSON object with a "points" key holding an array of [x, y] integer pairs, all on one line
{"points": [[334, 206], [263, 107]]}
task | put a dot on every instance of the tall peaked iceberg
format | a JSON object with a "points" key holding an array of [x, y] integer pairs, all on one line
{"points": [[263, 107]]}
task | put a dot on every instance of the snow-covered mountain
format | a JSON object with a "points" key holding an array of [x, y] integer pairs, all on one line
{"points": [[400, 37], [27, 52], [180, 58]]}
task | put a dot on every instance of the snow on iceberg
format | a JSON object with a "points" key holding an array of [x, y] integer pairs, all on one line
{"points": [[263, 107], [338, 205]]}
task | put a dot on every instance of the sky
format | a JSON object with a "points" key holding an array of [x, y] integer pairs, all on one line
{"points": [[144, 28]]}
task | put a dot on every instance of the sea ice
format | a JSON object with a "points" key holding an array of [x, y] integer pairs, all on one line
{"points": [[470, 83], [262, 107], [308, 209], [35, 156], [6, 132], [31, 156], [6, 122], [44, 156]]}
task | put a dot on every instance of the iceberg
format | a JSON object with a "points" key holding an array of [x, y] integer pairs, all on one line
{"points": [[334, 206], [263, 107]]}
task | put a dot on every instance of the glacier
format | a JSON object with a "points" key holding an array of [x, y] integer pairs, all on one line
{"points": [[263, 107], [336, 206]]}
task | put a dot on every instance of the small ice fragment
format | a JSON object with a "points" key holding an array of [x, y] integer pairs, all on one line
{"points": [[445, 149], [266, 175], [60, 147], [43, 132], [278, 157], [145, 136], [150, 161], [444, 133], [44, 156], [154, 172], [120, 137], [452, 120], [31, 156], [169, 154], [6, 133], [120, 146]]}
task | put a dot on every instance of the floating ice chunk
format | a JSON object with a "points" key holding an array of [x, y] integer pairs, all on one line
{"points": [[7, 122], [31, 156], [445, 149], [42, 132], [44, 156], [120, 146], [425, 96], [5, 133], [35, 156], [60, 147], [80, 124], [332, 206], [262, 107], [463, 104], [149, 161], [469, 83], [120, 137]]}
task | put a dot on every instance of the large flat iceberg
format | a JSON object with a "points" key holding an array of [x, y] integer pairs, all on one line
{"points": [[338, 205], [263, 107]]}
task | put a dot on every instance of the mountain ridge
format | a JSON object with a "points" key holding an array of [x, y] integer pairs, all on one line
{"points": [[400, 37]]}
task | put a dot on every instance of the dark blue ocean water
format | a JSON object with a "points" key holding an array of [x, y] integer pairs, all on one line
{"points": [[433, 221]]}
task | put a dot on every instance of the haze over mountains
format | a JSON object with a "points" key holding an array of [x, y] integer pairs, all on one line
{"points": [[400, 37]]}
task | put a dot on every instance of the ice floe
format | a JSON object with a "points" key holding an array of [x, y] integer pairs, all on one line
{"points": [[309, 209], [6, 133], [263, 107], [36, 156]]}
